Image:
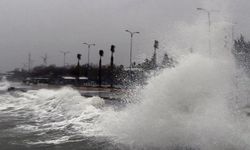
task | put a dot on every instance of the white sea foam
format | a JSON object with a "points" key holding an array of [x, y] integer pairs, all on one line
{"points": [[191, 105], [187, 106], [55, 141], [4, 84], [201, 103], [64, 109]]}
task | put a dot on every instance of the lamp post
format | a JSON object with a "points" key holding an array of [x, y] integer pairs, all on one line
{"points": [[89, 46], [233, 28], [209, 27], [232, 24], [234, 52], [232, 34], [64, 57], [131, 47]]}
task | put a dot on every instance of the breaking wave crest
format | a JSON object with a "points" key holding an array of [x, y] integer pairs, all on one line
{"points": [[193, 105], [4, 84], [190, 106], [63, 110]]}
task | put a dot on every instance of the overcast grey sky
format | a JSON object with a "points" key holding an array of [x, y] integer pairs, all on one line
{"points": [[48, 26]]}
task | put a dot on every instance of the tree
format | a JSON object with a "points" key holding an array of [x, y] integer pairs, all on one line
{"points": [[241, 52], [167, 62]]}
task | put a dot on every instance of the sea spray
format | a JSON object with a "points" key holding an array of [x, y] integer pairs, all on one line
{"points": [[200, 104], [4, 84], [186, 106]]}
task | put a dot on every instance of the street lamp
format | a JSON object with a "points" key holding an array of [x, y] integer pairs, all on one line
{"points": [[233, 24], [131, 46], [89, 45], [209, 26], [64, 56]]}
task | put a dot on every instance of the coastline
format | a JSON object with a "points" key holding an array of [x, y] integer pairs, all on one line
{"points": [[104, 92]]}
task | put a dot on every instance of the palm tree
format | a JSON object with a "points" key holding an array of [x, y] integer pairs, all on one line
{"points": [[112, 49], [100, 67]]}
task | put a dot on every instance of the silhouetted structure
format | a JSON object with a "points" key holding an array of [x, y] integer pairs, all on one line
{"points": [[156, 46], [209, 28], [100, 67], [89, 45], [112, 49], [241, 52], [29, 62], [167, 62], [64, 57], [131, 49], [45, 58], [78, 68]]}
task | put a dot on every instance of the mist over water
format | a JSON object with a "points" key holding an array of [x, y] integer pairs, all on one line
{"points": [[201, 103], [194, 105], [187, 106], [4, 84]]}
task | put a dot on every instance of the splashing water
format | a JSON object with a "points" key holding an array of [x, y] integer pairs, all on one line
{"points": [[198, 104], [63, 110], [4, 84], [187, 106], [190, 106]]}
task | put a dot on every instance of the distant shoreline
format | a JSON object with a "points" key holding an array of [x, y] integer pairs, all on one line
{"points": [[106, 93]]}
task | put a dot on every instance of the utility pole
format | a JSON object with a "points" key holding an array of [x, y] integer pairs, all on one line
{"points": [[64, 57]]}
